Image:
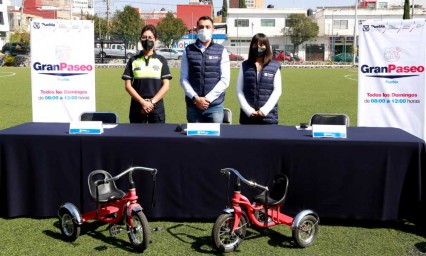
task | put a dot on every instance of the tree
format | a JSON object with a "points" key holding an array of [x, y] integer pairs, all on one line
{"points": [[406, 15], [242, 4], [224, 10], [300, 29], [170, 30], [100, 26], [127, 25], [21, 36]]}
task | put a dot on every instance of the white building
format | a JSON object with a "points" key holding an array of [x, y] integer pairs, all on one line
{"points": [[4, 22], [337, 27], [242, 24], [83, 7]]}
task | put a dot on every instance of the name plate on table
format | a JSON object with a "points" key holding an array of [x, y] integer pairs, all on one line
{"points": [[329, 131], [205, 129], [86, 127]]}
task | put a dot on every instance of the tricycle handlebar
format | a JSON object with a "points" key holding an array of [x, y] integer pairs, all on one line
{"points": [[226, 171], [130, 170]]}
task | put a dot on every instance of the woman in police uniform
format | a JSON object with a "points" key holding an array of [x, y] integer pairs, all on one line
{"points": [[147, 79]]}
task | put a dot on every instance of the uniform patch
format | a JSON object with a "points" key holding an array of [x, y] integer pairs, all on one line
{"points": [[267, 74]]}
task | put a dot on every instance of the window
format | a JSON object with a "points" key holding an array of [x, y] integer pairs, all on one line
{"points": [[1, 18], [240, 41], [340, 24], [250, 4], [267, 22], [242, 23], [382, 5]]}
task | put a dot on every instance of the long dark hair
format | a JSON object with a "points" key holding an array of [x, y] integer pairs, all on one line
{"points": [[262, 39]]}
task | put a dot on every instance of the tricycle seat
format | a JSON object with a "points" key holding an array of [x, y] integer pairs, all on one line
{"points": [[106, 191], [277, 192]]}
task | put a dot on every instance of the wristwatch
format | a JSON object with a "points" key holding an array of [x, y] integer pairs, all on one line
{"points": [[193, 99]]}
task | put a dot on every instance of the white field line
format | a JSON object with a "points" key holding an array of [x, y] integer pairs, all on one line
{"points": [[5, 74], [353, 77]]}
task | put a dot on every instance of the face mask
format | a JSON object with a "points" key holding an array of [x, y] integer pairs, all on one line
{"points": [[147, 44], [258, 52], [204, 35]]}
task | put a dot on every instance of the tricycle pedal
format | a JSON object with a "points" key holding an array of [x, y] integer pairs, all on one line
{"points": [[115, 230]]}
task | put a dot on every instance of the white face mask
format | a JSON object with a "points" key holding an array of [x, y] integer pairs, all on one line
{"points": [[204, 35]]}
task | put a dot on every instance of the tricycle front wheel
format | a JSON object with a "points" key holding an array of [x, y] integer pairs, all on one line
{"points": [[307, 231], [139, 234], [224, 239]]}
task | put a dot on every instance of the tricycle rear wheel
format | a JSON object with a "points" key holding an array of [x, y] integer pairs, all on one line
{"points": [[224, 240], [69, 229], [307, 231]]}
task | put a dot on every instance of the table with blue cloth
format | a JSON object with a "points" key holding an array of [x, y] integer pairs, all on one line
{"points": [[374, 174]]}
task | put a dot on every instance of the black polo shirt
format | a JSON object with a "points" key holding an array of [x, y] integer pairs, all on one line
{"points": [[146, 75]]}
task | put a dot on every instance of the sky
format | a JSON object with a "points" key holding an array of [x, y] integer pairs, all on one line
{"points": [[170, 5]]}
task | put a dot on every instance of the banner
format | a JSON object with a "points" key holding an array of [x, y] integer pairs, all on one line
{"points": [[391, 77], [62, 69]]}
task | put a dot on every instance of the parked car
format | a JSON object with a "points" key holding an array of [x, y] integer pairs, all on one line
{"points": [[280, 55], [114, 50], [169, 54], [345, 57], [296, 58], [234, 57], [15, 48], [179, 50]]}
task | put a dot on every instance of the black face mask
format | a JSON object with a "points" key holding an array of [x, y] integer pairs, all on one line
{"points": [[258, 52], [147, 44]]}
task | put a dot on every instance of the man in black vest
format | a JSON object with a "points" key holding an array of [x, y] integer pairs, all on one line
{"points": [[205, 74]]}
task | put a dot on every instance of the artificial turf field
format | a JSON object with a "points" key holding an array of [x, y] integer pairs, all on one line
{"points": [[305, 91]]}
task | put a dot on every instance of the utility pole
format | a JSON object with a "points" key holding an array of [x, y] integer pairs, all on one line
{"points": [[71, 9], [355, 25], [22, 15], [107, 21]]}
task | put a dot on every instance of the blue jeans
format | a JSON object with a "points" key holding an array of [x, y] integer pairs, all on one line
{"points": [[213, 114]]}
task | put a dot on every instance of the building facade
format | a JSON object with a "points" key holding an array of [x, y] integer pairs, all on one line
{"points": [[338, 27], [249, 4], [20, 18], [242, 24], [189, 13], [4, 22]]}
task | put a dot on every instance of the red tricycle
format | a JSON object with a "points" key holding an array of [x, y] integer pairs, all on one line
{"points": [[113, 206], [229, 229]]}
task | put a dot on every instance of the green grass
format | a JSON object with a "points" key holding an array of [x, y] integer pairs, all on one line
{"points": [[305, 91]]}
